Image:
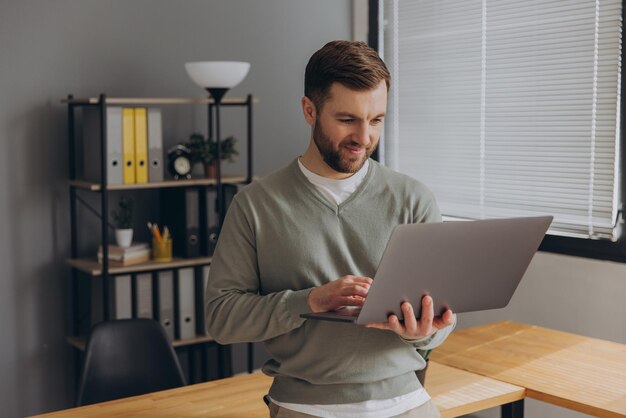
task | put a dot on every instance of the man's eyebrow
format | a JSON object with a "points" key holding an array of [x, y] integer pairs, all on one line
{"points": [[350, 115]]}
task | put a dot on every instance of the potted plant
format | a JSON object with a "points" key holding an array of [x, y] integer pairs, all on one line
{"points": [[205, 151], [123, 218]]}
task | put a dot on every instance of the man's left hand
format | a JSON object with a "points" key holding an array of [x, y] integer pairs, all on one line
{"points": [[412, 329]]}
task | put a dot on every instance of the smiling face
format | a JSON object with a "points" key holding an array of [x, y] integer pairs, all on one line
{"points": [[346, 130]]}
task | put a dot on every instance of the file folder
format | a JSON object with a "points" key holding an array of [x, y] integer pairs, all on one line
{"points": [[155, 146], [180, 212], [185, 304], [164, 297], [141, 145], [128, 144], [210, 222], [91, 144], [201, 282], [122, 297], [143, 296]]}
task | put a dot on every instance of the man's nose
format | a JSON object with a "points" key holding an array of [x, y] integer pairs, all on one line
{"points": [[362, 135]]}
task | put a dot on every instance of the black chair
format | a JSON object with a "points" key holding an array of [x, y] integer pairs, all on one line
{"points": [[128, 357]]}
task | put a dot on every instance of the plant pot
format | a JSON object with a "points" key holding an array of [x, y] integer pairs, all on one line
{"points": [[210, 170], [124, 237], [421, 374]]}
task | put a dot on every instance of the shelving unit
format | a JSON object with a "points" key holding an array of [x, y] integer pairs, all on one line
{"points": [[89, 265]]}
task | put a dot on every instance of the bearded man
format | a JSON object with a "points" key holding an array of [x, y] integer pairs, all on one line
{"points": [[308, 238]]}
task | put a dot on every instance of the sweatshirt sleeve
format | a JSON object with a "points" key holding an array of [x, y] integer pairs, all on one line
{"points": [[234, 309]]}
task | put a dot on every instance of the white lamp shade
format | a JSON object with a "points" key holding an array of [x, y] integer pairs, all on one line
{"points": [[217, 74]]}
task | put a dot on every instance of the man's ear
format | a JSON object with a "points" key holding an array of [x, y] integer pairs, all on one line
{"points": [[309, 110]]}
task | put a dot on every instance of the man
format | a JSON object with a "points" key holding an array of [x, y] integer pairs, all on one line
{"points": [[308, 238]]}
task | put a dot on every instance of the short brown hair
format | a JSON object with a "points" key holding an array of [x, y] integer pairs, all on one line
{"points": [[353, 64]]}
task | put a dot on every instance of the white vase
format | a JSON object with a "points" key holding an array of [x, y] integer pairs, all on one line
{"points": [[124, 237]]}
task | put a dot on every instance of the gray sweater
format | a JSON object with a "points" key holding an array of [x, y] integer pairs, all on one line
{"points": [[280, 239]]}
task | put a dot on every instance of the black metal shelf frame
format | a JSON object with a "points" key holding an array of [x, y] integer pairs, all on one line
{"points": [[101, 104]]}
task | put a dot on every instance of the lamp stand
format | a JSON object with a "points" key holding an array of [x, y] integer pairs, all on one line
{"points": [[218, 95]]}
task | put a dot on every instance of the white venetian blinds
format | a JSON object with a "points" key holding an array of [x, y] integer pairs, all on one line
{"points": [[507, 107]]}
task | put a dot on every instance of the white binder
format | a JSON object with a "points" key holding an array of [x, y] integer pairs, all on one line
{"points": [[155, 146], [91, 144], [122, 300], [143, 296], [185, 304], [165, 301]]}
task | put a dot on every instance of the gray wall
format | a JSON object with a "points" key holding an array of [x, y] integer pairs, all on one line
{"points": [[121, 48]]}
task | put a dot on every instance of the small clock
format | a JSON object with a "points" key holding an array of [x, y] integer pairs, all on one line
{"points": [[179, 162]]}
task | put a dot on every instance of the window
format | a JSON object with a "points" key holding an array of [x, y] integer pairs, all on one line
{"points": [[507, 108]]}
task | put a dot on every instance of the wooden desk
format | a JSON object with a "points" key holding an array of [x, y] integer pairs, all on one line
{"points": [[572, 371], [455, 392]]}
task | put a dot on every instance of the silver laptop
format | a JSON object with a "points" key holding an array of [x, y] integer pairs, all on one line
{"points": [[464, 266]]}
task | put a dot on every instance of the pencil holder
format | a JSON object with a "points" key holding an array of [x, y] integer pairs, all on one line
{"points": [[162, 249]]}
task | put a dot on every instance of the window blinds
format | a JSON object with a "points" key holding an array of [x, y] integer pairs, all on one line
{"points": [[507, 108]]}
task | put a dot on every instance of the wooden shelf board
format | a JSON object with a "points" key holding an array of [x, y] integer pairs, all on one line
{"points": [[95, 187], [156, 100], [80, 342], [93, 268]]}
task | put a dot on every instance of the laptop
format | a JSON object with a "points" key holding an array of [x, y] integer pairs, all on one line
{"points": [[464, 266]]}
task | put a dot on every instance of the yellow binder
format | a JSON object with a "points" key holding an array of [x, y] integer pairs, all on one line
{"points": [[128, 144], [141, 145]]}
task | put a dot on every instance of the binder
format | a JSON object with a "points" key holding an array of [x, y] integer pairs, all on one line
{"points": [[128, 144], [90, 302], [209, 225], [91, 144], [141, 145], [164, 298], [201, 283], [185, 304], [180, 212], [122, 297], [143, 296], [155, 146]]}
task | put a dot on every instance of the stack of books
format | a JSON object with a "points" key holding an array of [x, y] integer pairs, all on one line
{"points": [[118, 256]]}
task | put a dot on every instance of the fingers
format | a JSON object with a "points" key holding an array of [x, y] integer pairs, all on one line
{"points": [[354, 290], [412, 328], [392, 324], [395, 325], [426, 320], [444, 320], [350, 301], [345, 291], [356, 279], [410, 321]]}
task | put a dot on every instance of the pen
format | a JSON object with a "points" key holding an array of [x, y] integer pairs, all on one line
{"points": [[157, 233]]}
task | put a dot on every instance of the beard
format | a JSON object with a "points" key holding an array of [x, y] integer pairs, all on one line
{"points": [[334, 158]]}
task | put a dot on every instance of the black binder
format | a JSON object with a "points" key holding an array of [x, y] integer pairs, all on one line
{"points": [[180, 213], [210, 223]]}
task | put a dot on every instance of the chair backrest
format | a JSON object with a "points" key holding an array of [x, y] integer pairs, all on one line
{"points": [[128, 357]]}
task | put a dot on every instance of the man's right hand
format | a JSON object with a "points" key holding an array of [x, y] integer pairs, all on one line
{"points": [[345, 291]]}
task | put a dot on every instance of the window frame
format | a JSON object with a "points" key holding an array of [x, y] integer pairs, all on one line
{"points": [[599, 249]]}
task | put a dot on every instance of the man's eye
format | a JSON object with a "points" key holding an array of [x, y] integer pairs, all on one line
{"points": [[377, 121], [346, 120]]}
